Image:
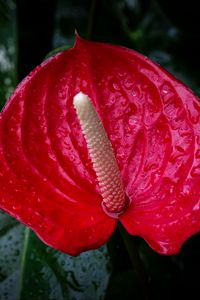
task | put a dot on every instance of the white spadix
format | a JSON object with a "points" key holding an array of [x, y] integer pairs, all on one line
{"points": [[102, 155]]}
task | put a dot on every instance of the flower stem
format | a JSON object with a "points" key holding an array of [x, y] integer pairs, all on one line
{"points": [[90, 26], [137, 263]]}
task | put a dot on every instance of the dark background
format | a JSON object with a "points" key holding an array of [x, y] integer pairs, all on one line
{"points": [[166, 31]]}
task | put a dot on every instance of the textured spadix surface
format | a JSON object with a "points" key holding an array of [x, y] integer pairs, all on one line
{"points": [[102, 156], [47, 179]]}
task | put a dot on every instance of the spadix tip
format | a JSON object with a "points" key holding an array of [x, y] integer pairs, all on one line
{"points": [[80, 99]]}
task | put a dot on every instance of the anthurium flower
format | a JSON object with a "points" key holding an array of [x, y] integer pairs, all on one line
{"points": [[97, 135]]}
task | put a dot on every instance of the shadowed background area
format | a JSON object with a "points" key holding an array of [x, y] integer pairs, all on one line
{"points": [[169, 33]]}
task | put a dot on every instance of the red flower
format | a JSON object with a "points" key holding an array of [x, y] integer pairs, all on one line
{"points": [[47, 179]]}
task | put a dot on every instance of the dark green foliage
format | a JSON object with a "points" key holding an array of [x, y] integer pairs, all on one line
{"points": [[7, 49], [169, 33], [29, 270]]}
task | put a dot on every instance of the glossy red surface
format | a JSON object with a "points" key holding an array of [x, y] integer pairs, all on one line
{"points": [[46, 176]]}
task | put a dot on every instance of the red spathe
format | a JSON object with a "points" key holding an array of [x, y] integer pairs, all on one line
{"points": [[153, 121]]}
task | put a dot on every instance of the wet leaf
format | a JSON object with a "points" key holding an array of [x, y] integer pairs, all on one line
{"points": [[31, 270], [7, 49]]}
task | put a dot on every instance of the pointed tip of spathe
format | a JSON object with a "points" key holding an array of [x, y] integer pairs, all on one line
{"points": [[79, 38]]}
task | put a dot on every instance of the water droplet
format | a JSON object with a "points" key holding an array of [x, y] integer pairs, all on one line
{"points": [[123, 101], [133, 121], [113, 85], [180, 149], [197, 206], [195, 172], [197, 153], [72, 157], [128, 83], [120, 153], [135, 92], [111, 100], [16, 206], [84, 83], [38, 199], [152, 75], [62, 94], [186, 189], [194, 118], [166, 92]]}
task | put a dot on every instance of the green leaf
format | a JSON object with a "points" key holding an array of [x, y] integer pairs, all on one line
{"points": [[124, 286], [57, 50], [30, 270], [7, 49]]}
